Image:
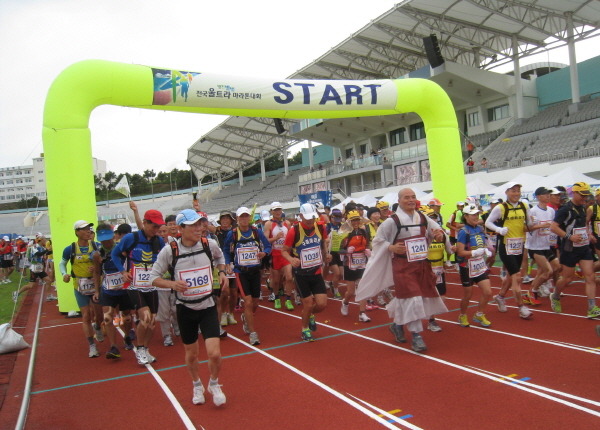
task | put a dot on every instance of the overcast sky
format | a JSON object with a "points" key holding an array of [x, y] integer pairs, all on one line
{"points": [[263, 38]]}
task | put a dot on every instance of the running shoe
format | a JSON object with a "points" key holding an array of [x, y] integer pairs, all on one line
{"points": [[433, 326], [297, 299], [594, 313], [388, 294], [502, 273], [176, 331], [231, 319], [277, 304], [269, 285], [128, 345], [526, 280], [545, 289], [312, 324], [271, 297], [140, 354], [223, 333], [94, 351], [254, 339], [150, 357], [381, 302], [218, 396], [168, 340], [345, 308], [289, 305], [307, 336], [245, 324], [15, 296], [528, 299], [113, 353], [449, 264], [463, 321], [364, 318], [524, 312], [98, 333], [198, 397], [418, 344], [398, 332], [555, 304], [224, 319], [579, 273], [481, 319], [132, 334], [500, 302], [50, 298], [116, 321], [337, 295]]}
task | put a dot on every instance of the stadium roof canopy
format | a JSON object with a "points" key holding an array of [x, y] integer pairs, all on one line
{"points": [[476, 33]]}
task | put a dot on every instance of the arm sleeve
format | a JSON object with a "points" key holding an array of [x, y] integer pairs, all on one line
{"points": [[66, 256], [494, 216], [217, 252]]}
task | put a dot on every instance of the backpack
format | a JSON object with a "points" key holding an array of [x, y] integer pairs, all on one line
{"points": [[319, 232], [521, 205], [176, 256], [73, 250], [422, 224], [154, 241]]}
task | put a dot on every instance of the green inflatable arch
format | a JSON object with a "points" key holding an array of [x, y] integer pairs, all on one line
{"points": [[85, 85]]}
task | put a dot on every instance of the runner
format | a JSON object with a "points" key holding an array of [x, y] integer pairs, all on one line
{"points": [[190, 259], [229, 296], [355, 249], [384, 209], [37, 270], [407, 234], [538, 244], [108, 285], [455, 224], [333, 232], [305, 249], [248, 246], [512, 216], [570, 223], [491, 235], [374, 217], [79, 254], [472, 252], [6, 259], [276, 230], [140, 249], [593, 219]]}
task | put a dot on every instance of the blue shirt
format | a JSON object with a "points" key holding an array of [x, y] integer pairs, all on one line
{"points": [[242, 241], [476, 239]]}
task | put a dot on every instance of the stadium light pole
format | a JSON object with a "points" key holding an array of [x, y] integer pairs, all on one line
{"points": [[171, 185]]}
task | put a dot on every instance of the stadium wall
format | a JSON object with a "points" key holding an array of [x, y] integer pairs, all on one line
{"points": [[556, 86]]}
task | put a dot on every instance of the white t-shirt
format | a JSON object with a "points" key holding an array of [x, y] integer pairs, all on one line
{"points": [[539, 239]]}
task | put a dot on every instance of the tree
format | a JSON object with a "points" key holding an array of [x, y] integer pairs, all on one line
{"points": [[110, 180]]}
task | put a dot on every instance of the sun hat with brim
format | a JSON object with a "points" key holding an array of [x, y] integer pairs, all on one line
{"points": [[226, 213], [82, 224], [187, 217], [103, 235]]}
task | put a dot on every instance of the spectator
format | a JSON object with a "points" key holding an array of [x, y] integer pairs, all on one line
{"points": [[484, 164], [320, 167], [470, 164], [470, 148], [339, 160]]}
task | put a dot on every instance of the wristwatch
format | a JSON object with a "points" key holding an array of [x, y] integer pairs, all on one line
{"points": [[222, 271]]}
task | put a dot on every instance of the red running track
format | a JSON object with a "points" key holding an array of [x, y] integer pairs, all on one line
{"points": [[350, 374]]}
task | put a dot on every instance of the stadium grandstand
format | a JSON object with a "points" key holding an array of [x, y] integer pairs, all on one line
{"points": [[527, 120]]}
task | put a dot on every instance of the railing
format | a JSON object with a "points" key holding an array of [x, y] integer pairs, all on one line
{"points": [[359, 163], [312, 175]]}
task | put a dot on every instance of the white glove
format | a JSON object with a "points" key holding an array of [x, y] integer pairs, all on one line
{"points": [[368, 252], [478, 252], [503, 231], [350, 250], [534, 220], [488, 253]]}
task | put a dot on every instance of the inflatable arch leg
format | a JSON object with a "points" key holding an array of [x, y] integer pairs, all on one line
{"points": [[85, 85]]}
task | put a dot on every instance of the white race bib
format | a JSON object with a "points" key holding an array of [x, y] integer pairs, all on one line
{"points": [[114, 281], [37, 267], [416, 249], [198, 280], [85, 286], [492, 239], [514, 245], [247, 256], [439, 273], [357, 261], [8, 257], [141, 276], [477, 267], [278, 244], [311, 257], [582, 231], [553, 239]]}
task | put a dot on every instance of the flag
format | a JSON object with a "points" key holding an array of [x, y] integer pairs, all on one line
{"points": [[123, 186]]}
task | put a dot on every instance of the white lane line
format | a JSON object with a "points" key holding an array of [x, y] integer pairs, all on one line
{"points": [[184, 417], [319, 384], [387, 414], [61, 325], [458, 366], [540, 387]]}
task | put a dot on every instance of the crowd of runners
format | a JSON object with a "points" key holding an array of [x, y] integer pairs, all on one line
{"points": [[191, 275]]}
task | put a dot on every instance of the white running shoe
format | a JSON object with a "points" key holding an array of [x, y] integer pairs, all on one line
{"points": [[98, 333], [198, 397], [388, 294], [345, 308], [94, 351], [449, 264], [433, 326], [364, 318], [168, 340], [545, 289], [140, 354], [524, 312], [381, 302], [297, 299], [224, 319], [254, 339], [218, 395], [526, 280], [231, 319], [151, 359], [501, 303]]}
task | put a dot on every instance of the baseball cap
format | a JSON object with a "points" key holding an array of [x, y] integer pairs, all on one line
{"points": [[582, 188], [154, 217], [320, 207], [308, 211], [460, 204], [470, 200], [276, 205], [554, 191], [435, 202], [542, 190], [104, 234], [382, 205], [6, 238], [265, 215], [82, 224], [187, 217], [495, 201], [510, 185], [471, 209], [242, 210], [336, 215]]}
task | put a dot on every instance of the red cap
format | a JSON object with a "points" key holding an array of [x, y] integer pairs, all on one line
{"points": [[154, 216]]}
